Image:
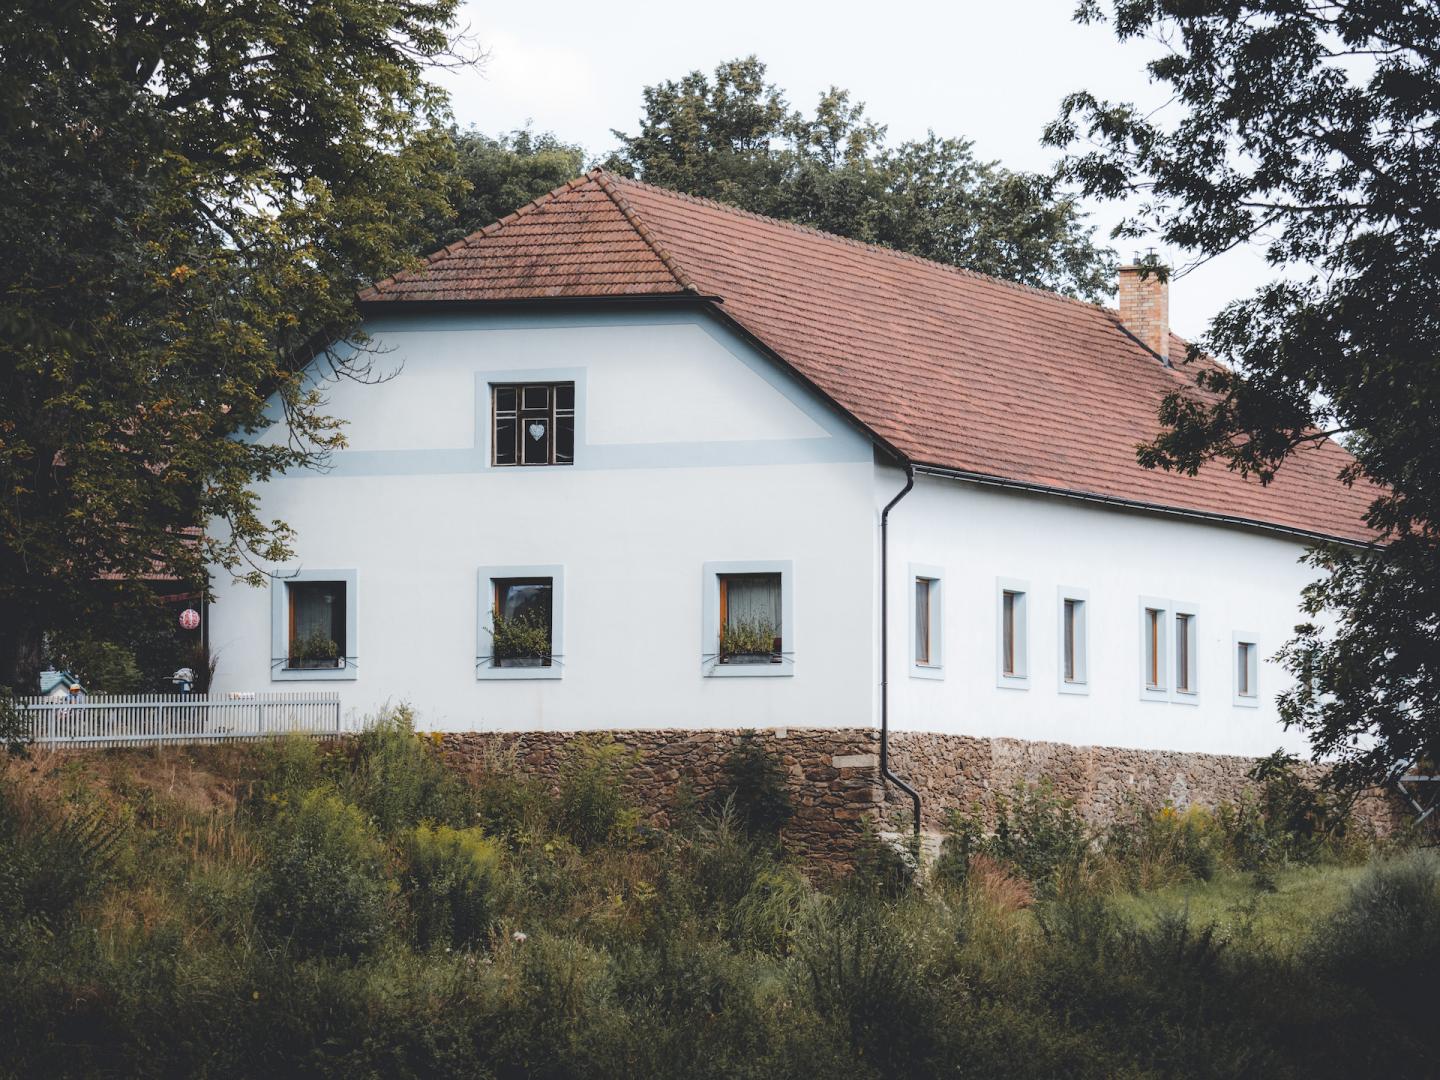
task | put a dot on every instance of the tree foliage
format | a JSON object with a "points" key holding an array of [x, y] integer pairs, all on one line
{"points": [[496, 175], [733, 137], [191, 194], [1310, 129]]}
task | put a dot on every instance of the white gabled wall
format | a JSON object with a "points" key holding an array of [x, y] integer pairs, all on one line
{"points": [[1238, 579], [692, 448]]}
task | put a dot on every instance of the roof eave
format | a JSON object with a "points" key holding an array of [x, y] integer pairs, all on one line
{"points": [[1309, 535]]}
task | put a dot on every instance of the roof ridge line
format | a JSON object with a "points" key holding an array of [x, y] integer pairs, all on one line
{"points": [[607, 184], [480, 234], [863, 245]]}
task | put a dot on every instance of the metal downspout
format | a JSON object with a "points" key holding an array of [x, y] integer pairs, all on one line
{"points": [[885, 772]]}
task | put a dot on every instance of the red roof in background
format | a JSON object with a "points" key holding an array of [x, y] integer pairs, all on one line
{"points": [[951, 368]]}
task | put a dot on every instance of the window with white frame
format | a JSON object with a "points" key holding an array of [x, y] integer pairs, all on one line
{"points": [[520, 619], [313, 625], [1012, 634], [1154, 649], [1074, 640], [1247, 670], [1187, 675], [927, 660], [748, 619]]}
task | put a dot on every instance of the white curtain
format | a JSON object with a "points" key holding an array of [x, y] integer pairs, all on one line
{"points": [[752, 599]]}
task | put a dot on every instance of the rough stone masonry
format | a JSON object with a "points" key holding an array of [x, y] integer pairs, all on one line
{"points": [[835, 781]]}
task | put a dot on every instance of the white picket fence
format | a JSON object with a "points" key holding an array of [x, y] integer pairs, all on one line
{"points": [[168, 719]]}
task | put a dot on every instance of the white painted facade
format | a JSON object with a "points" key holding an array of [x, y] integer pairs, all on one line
{"points": [[696, 452], [691, 448], [1239, 584]]}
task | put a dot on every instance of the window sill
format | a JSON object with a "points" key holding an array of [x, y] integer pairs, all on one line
{"points": [[1155, 693], [1079, 688], [348, 673], [485, 671], [716, 670], [1186, 697], [927, 671], [1013, 682], [1247, 701]]}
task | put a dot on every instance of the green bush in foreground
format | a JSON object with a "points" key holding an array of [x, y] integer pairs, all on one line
{"points": [[362, 912], [451, 878], [323, 889]]}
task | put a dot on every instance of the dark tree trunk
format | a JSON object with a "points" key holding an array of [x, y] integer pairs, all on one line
{"points": [[20, 650]]}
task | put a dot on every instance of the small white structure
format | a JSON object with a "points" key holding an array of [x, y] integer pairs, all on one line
{"points": [[631, 471]]}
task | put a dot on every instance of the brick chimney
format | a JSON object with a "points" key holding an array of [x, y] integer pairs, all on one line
{"points": [[1145, 306]]}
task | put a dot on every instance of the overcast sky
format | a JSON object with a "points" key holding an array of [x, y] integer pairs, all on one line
{"points": [[993, 72]]}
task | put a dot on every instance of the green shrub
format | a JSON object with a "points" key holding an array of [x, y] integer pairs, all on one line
{"points": [[747, 637], [767, 917], [48, 864], [1154, 848], [880, 866], [509, 804], [289, 767], [860, 963], [323, 888], [314, 646], [398, 779], [754, 780], [592, 807], [452, 882], [524, 637], [1289, 822], [1388, 932], [1037, 833], [15, 731], [103, 667]]}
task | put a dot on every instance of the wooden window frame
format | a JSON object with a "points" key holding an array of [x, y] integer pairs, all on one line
{"points": [[1245, 671], [1072, 615], [927, 656], [1012, 634], [714, 610], [552, 413]]}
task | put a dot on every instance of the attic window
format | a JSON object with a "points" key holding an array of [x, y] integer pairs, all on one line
{"points": [[534, 424]]}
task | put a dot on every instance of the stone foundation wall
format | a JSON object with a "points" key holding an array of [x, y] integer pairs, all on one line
{"points": [[956, 771], [835, 776]]}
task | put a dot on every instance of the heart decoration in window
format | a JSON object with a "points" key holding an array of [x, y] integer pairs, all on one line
{"points": [[537, 431]]}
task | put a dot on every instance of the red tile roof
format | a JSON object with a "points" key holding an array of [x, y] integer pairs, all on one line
{"points": [[950, 368]]}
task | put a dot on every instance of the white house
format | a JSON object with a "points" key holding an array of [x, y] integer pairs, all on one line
{"points": [[654, 436]]}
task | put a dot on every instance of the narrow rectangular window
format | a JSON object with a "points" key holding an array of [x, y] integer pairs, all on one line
{"points": [[1008, 616], [1154, 674], [1246, 662], [316, 617], [922, 620], [749, 624], [522, 620], [1072, 614], [534, 424], [1184, 653]]}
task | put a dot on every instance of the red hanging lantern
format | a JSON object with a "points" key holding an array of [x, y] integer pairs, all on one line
{"points": [[189, 619]]}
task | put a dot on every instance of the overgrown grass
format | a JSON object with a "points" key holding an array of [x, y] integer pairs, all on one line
{"points": [[309, 909]]}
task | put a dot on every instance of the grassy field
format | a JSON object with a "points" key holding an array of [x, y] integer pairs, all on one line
{"points": [[356, 910], [1279, 916]]}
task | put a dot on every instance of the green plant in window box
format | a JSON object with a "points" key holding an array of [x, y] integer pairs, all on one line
{"points": [[520, 641], [315, 649], [749, 641]]}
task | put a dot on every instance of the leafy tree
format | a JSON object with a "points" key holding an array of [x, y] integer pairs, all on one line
{"points": [[732, 137], [189, 195], [498, 174], [1310, 129]]}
